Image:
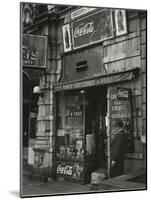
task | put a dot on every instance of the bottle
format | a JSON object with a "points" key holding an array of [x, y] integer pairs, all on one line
{"points": [[67, 39]]}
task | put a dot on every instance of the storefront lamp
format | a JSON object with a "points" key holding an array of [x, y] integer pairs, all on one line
{"points": [[82, 92], [37, 90]]}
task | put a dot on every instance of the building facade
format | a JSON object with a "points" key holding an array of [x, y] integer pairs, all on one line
{"points": [[95, 75]]}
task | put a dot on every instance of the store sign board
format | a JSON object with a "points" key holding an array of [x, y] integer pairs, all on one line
{"points": [[81, 11], [34, 51], [95, 81], [120, 109], [73, 170], [92, 29]]}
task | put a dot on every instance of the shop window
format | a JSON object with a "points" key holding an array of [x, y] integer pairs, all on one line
{"points": [[70, 134]]}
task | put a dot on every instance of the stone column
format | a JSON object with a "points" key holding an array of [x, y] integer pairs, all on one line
{"points": [[45, 136]]}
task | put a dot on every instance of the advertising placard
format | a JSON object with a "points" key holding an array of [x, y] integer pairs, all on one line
{"points": [[66, 37], [72, 170], [93, 28], [120, 109], [34, 51]]}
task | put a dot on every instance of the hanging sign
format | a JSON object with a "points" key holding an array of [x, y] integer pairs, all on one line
{"points": [[120, 109], [93, 28], [34, 51]]}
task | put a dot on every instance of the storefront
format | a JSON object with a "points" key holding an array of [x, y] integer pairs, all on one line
{"points": [[86, 117], [94, 74], [100, 85]]}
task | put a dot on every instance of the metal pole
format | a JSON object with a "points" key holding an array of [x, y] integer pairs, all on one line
{"points": [[84, 135], [108, 135]]}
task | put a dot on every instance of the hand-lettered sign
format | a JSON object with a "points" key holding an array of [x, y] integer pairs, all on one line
{"points": [[120, 109]]}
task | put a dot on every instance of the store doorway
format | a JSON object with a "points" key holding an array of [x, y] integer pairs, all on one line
{"points": [[96, 111]]}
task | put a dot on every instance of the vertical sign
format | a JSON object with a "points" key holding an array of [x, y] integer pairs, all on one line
{"points": [[66, 37], [120, 22], [120, 109]]}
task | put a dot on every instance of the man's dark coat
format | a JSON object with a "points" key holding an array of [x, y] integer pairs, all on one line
{"points": [[118, 147]]}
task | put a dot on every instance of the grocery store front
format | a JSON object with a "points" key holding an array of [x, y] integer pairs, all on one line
{"points": [[85, 112]]}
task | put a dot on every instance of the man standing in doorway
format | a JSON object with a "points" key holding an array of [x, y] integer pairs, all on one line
{"points": [[118, 147]]}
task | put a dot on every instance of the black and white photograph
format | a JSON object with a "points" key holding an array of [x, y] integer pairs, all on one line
{"points": [[83, 74]]}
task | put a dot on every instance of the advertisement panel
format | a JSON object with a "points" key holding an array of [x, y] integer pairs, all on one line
{"points": [[120, 109], [93, 28], [66, 37], [72, 170], [34, 51]]}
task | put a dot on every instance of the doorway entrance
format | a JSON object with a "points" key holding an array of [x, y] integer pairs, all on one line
{"points": [[95, 123]]}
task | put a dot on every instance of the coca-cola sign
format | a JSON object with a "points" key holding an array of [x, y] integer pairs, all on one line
{"points": [[93, 28], [72, 170], [122, 93], [65, 169], [83, 30]]}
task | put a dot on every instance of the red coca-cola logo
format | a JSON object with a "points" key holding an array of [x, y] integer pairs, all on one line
{"points": [[83, 30], [65, 170]]}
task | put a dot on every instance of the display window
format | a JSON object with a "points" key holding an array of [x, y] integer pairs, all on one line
{"points": [[70, 132], [81, 133]]}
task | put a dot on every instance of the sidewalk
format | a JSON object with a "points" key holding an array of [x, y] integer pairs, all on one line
{"points": [[57, 187]]}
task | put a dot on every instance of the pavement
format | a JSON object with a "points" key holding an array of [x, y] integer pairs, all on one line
{"points": [[58, 187], [36, 187]]}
